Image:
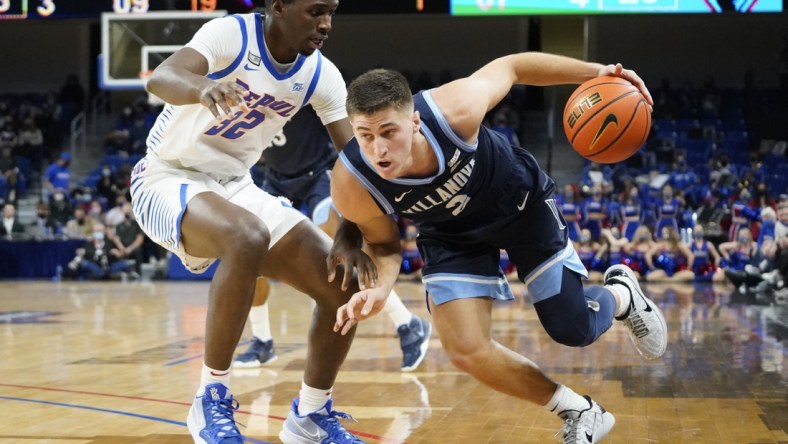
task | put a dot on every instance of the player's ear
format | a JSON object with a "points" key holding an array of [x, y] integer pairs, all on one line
{"points": [[416, 121]]}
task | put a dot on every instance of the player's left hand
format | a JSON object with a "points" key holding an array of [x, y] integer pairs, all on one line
{"points": [[630, 75], [362, 305]]}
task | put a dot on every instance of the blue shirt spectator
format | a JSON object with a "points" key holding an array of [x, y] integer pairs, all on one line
{"points": [[58, 175]]}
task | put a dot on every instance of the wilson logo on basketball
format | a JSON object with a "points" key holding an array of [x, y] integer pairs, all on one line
{"points": [[581, 107]]}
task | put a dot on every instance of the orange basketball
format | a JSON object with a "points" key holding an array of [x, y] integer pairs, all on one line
{"points": [[607, 119]]}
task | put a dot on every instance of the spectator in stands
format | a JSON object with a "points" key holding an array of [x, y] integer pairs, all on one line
{"points": [[591, 254], [96, 211], [501, 125], [129, 237], [631, 212], [11, 227], [44, 227], [138, 133], [117, 213], [98, 258], [9, 174], [670, 259], [412, 262], [569, 204], [738, 254], [31, 142], [106, 187], [594, 212], [706, 262], [742, 213], [682, 177], [635, 253], [58, 175], [80, 226], [73, 93], [668, 209], [777, 252], [8, 136], [762, 198], [766, 232], [60, 207]]}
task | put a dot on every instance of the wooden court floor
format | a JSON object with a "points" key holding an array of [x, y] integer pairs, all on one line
{"points": [[109, 363]]}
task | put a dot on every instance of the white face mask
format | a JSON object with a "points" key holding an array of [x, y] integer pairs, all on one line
{"points": [[98, 236], [59, 197]]}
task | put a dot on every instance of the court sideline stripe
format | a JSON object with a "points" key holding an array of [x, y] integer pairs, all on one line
{"points": [[115, 412], [164, 401]]}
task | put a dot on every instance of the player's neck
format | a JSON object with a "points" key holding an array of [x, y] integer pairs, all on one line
{"points": [[424, 162]]}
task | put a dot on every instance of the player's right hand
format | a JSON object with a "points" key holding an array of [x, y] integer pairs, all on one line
{"points": [[362, 305], [223, 96]]}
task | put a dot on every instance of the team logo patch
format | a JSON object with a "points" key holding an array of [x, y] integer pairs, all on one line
{"points": [[254, 58], [298, 87]]}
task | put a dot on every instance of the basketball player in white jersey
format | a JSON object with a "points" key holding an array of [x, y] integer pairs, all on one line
{"points": [[228, 92]]}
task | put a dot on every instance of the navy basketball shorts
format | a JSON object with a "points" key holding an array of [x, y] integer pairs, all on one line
{"points": [[468, 267]]}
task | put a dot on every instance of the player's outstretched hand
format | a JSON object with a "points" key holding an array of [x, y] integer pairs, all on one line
{"points": [[630, 75], [351, 257], [223, 96], [362, 305]]}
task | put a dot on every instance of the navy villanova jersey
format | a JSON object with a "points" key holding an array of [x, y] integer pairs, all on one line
{"points": [[479, 188], [303, 145]]}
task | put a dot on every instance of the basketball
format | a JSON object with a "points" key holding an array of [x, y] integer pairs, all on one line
{"points": [[606, 119]]}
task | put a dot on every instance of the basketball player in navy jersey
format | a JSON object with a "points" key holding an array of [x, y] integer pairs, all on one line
{"points": [[471, 193], [298, 167], [229, 91]]}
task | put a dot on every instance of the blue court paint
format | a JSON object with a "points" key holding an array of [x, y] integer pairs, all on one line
{"points": [[115, 412]]}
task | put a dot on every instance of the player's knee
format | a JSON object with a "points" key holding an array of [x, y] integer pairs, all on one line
{"points": [[248, 236], [469, 356], [569, 335]]}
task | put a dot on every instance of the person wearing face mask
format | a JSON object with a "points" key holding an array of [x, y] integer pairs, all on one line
{"points": [[99, 258], [667, 210], [44, 227], [595, 212], [80, 226], [570, 209], [739, 253], [590, 254], [636, 251], [631, 213], [706, 263], [669, 258], [742, 213], [128, 236], [58, 175], [106, 187], [683, 177], [60, 207]]}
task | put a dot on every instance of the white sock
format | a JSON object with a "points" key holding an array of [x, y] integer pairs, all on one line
{"points": [[564, 399], [258, 318], [312, 399], [212, 376], [396, 310], [623, 295]]}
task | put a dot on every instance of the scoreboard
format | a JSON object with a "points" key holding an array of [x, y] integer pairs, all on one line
{"points": [[546, 7]]}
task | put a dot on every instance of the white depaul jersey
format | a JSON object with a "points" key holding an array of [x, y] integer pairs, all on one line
{"points": [[190, 136]]}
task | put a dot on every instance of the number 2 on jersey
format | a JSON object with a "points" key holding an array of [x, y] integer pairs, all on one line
{"points": [[237, 128]]}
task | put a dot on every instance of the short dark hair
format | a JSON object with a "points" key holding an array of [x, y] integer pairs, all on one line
{"points": [[377, 90]]}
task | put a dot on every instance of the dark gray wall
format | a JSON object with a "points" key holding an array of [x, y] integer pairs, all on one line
{"points": [[39, 55]]}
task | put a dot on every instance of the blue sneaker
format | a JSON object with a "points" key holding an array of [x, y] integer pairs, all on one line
{"points": [[321, 427], [210, 418], [258, 353], [414, 338]]}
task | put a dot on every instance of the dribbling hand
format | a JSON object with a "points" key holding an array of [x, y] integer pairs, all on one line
{"points": [[630, 75]]}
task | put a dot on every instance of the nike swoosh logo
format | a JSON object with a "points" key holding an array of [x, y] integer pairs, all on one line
{"points": [[522, 205], [313, 436], [610, 118], [250, 68], [589, 437], [401, 196]]}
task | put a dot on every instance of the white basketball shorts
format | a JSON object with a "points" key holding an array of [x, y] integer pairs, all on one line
{"points": [[160, 193]]}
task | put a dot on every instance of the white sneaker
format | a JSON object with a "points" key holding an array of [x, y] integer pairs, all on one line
{"points": [[586, 426], [645, 321]]}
